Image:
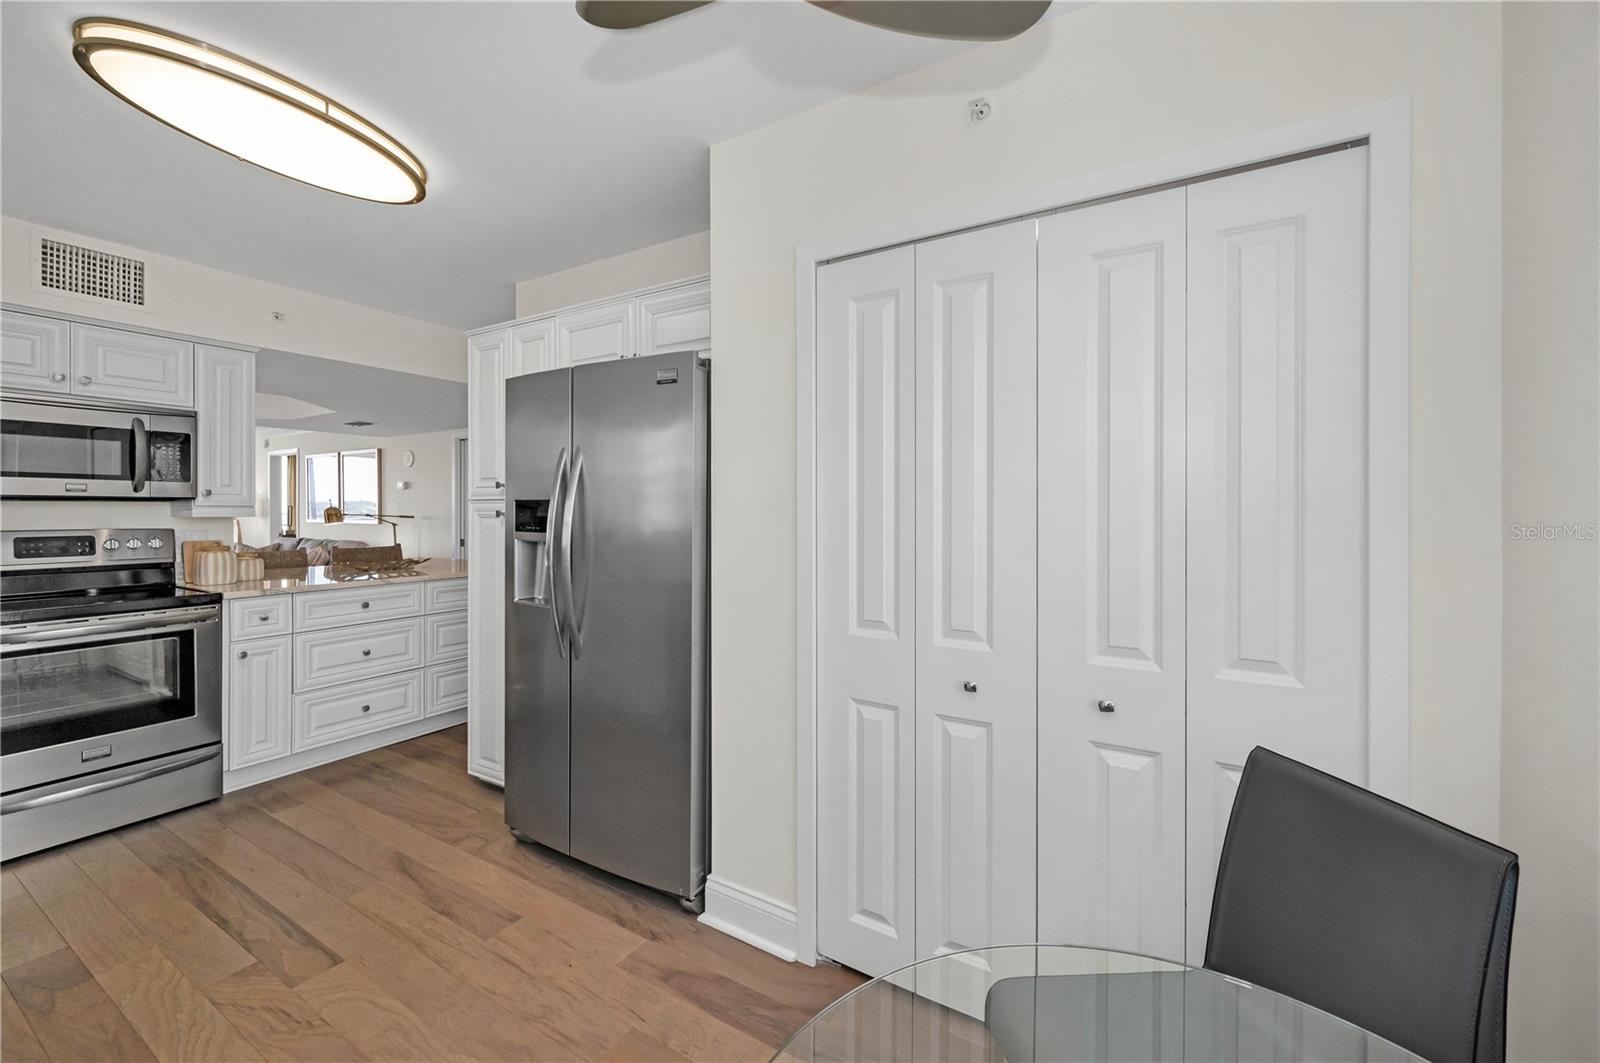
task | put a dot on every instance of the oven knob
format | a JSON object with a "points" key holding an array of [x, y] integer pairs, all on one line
{"points": [[135, 543], [155, 542], [111, 544]]}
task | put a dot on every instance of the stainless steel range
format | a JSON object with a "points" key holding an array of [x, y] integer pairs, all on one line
{"points": [[110, 685]]}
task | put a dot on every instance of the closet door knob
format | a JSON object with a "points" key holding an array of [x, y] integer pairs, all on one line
{"points": [[969, 686], [1108, 706]]}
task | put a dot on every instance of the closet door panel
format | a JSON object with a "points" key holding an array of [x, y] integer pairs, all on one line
{"points": [[866, 648], [1111, 575], [1277, 572], [975, 593]]}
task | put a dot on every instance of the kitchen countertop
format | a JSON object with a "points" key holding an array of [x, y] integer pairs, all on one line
{"points": [[316, 578]]}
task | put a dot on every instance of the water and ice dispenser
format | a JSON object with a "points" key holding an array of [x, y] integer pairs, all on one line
{"points": [[531, 551]]}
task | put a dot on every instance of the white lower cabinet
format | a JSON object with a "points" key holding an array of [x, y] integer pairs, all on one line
{"points": [[260, 675], [311, 678], [486, 723]]}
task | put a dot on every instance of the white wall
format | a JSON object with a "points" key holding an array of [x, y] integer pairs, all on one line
{"points": [[215, 305], [1105, 85], [1550, 734], [687, 256], [429, 498]]}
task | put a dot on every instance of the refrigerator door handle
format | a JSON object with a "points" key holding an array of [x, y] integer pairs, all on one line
{"points": [[569, 512], [554, 546]]}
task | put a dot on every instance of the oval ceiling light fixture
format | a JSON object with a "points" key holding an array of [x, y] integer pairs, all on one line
{"points": [[246, 110]]}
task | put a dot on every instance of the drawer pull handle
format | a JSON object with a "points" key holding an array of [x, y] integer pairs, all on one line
{"points": [[366, 605], [263, 617], [366, 708], [366, 653], [243, 654]]}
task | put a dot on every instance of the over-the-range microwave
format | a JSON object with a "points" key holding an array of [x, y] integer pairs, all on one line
{"points": [[75, 450]]}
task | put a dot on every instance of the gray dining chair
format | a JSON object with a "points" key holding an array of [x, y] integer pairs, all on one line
{"points": [[1365, 908]]}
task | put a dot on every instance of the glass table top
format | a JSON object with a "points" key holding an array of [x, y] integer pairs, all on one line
{"points": [[1018, 1003]]}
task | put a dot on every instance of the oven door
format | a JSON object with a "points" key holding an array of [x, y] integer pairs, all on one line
{"points": [[50, 451], [80, 696]]}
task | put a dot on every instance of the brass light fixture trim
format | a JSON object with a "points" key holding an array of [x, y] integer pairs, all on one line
{"points": [[143, 66]]}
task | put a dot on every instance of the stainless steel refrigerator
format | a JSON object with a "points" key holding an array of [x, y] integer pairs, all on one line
{"points": [[607, 616]]}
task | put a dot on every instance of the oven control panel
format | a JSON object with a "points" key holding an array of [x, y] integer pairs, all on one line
{"points": [[90, 546]]}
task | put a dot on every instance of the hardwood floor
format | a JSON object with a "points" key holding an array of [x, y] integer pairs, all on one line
{"points": [[376, 908]]}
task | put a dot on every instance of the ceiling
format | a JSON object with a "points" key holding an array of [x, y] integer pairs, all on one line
{"points": [[548, 143], [300, 393]]}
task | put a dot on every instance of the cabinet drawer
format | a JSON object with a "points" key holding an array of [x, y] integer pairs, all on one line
{"points": [[444, 638], [446, 687], [323, 609], [347, 711], [446, 594], [250, 618], [343, 655]]}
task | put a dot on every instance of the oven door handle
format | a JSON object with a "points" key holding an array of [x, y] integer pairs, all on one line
{"points": [[22, 802], [63, 631], [141, 455]]}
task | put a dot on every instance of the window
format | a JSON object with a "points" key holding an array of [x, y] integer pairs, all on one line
{"points": [[322, 485], [358, 470]]}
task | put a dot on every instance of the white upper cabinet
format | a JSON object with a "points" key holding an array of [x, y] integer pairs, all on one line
{"points": [[596, 334], [35, 353], [533, 347], [225, 412], [486, 413], [677, 319], [109, 363]]}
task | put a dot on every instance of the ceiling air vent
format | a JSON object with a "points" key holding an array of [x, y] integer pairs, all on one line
{"points": [[73, 269]]}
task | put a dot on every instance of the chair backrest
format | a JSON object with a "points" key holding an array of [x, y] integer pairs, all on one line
{"points": [[1365, 908]]}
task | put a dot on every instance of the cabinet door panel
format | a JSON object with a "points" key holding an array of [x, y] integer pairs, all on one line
{"points": [[486, 724], [110, 363], [1277, 534], [533, 348], [486, 413], [35, 353], [596, 334], [1111, 577], [678, 319], [866, 689], [225, 411], [259, 674], [975, 588]]}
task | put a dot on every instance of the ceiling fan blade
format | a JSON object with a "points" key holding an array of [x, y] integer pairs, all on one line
{"points": [[958, 20], [631, 14]]}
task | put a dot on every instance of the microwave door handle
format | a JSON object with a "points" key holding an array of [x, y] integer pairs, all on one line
{"points": [[141, 455]]}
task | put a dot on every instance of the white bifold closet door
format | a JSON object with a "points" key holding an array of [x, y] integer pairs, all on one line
{"points": [[866, 586], [926, 625], [977, 629], [1111, 575], [1277, 572]]}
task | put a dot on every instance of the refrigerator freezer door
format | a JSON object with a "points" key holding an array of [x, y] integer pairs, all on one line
{"points": [[638, 557], [538, 687]]}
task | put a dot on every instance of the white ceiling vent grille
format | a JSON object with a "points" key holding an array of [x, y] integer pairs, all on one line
{"points": [[77, 270]]}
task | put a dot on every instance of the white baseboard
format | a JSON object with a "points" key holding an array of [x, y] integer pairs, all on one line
{"points": [[754, 919], [312, 758]]}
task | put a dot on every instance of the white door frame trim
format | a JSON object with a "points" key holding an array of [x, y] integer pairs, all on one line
{"points": [[1386, 126]]}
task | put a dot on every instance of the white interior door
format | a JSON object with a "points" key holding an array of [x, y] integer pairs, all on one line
{"points": [[975, 588], [1111, 575], [866, 693], [1277, 607]]}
